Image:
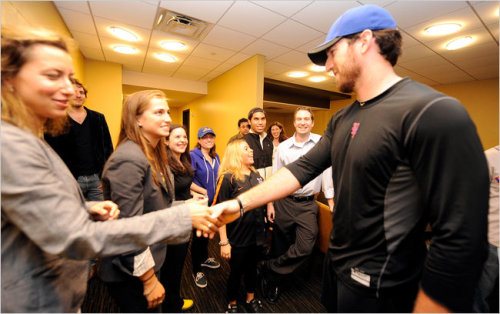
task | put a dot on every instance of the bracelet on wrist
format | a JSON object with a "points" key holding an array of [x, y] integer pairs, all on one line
{"points": [[223, 243], [152, 289], [148, 277]]}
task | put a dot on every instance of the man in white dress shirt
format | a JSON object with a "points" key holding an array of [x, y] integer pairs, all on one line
{"points": [[295, 216]]}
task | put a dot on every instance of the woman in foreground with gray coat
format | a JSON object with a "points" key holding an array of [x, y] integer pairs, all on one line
{"points": [[49, 231]]}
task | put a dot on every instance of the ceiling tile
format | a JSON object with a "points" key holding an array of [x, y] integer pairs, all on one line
{"points": [[320, 15], [410, 13], [103, 24], [293, 58], [444, 73], [212, 52], [211, 75], [265, 48], [251, 19], [480, 35], [464, 16], [78, 22], [487, 10], [202, 63], [92, 53], [209, 11], [292, 34], [158, 36], [285, 8], [227, 38], [305, 48], [87, 40], [414, 76], [186, 72], [80, 6], [238, 58], [132, 67], [135, 13], [415, 52], [485, 72], [180, 56], [276, 67], [155, 66], [423, 62]]}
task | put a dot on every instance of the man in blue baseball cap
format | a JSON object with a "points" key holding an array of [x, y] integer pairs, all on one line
{"points": [[403, 156]]}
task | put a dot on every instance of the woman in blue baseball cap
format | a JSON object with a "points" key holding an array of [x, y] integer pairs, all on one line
{"points": [[205, 162]]}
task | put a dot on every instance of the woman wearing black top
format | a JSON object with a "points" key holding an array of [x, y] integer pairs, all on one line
{"points": [[239, 238], [179, 162]]}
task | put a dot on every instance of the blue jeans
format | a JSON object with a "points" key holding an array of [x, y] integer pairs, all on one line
{"points": [[487, 281], [90, 186]]}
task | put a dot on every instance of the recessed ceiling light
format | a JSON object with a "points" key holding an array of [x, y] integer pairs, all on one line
{"points": [[317, 68], [298, 74], [317, 79], [496, 12], [125, 49], [124, 33], [459, 42], [172, 45], [442, 29], [165, 57]]}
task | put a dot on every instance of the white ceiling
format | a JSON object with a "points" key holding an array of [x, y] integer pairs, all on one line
{"points": [[283, 31]]}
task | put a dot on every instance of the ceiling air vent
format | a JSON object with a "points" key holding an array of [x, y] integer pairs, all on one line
{"points": [[181, 25]]}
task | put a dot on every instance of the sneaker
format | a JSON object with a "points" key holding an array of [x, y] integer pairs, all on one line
{"points": [[210, 263], [200, 280], [232, 308], [188, 304], [254, 306]]}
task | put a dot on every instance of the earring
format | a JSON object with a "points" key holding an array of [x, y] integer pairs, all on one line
{"points": [[140, 125], [10, 88]]}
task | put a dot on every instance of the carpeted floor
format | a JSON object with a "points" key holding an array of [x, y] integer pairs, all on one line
{"points": [[300, 293]]}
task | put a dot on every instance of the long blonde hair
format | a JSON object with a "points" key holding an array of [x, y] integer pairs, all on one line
{"points": [[232, 160], [134, 106], [17, 46]]}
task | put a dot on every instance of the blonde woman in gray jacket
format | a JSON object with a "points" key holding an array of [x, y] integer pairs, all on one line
{"points": [[49, 231]]}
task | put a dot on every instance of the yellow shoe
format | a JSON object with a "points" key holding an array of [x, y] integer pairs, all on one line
{"points": [[188, 303]]}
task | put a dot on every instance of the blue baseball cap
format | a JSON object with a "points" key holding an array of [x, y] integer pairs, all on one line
{"points": [[204, 131], [353, 21]]}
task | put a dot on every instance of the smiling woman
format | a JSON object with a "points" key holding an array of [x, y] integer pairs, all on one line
{"points": [[49, 231]]}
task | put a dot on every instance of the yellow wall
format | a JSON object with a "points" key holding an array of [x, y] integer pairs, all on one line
{"points": [[40, 14], [480, 98], [230, 96], [104, 85]]}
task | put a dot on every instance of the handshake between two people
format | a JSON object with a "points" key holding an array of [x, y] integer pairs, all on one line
{"points": [[206, 220]]}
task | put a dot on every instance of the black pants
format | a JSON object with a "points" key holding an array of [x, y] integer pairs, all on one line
{"points": [[199, 251], [294, 234], [129, 296], [340, 298], [243, 263], [171, 273]]}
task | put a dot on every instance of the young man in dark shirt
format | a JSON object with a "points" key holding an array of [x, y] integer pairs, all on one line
{"points": [[403, 155], [87, 145], [261, 145], [243, 129]]}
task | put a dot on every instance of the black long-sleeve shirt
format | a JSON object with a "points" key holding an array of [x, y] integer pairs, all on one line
{"points": [[408, 157]]}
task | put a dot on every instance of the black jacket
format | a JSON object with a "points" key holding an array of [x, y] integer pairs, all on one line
{"points": [[262, 156], [102, 146]]}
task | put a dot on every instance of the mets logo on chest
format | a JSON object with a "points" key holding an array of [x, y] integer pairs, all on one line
{"points": [[354, 129]]}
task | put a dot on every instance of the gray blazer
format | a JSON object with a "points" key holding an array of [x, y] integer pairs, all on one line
{"points": [[48, 234], [127, 180]]}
